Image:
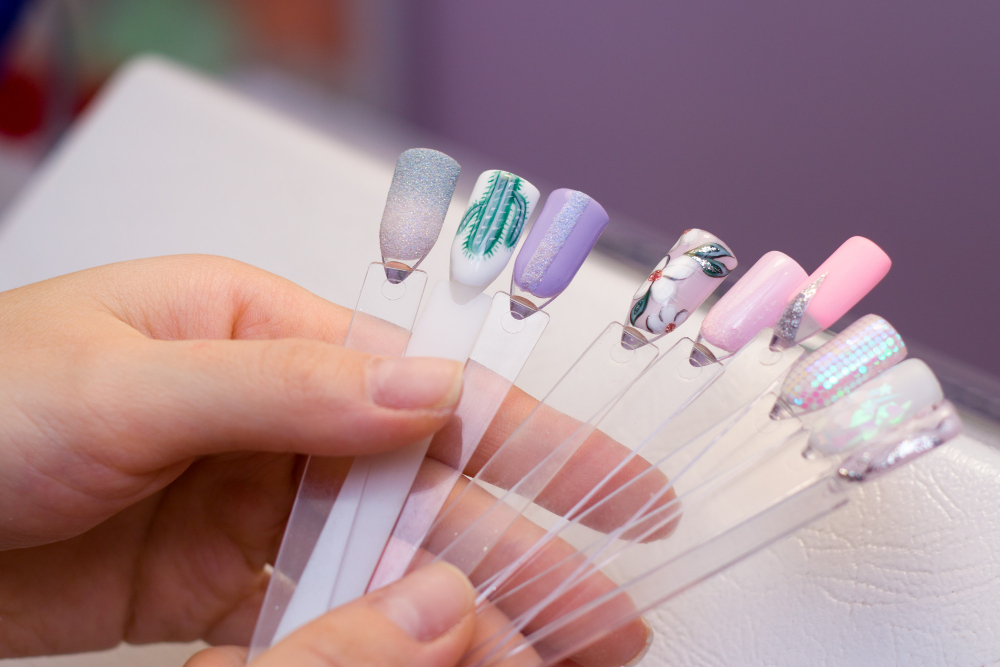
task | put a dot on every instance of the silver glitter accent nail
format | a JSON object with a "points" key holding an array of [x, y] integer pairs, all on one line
{"points": [[554, 239], [418, 200], [791, 319]]}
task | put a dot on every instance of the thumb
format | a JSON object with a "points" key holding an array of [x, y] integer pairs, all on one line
{"points": [[422, 620], [174, 400]]}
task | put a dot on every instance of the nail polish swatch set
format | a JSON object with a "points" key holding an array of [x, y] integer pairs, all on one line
{"points": [[654, 462]]}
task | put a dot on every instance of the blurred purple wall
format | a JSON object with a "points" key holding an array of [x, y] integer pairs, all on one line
{"points": [[776, 125]]}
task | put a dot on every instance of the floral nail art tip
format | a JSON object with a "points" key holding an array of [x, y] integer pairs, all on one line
{"points": [[681, 282]]}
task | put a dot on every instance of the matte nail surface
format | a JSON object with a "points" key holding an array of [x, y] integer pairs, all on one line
{"points": [[694, 267], [418, 201], [487, 236], [833, 289], [754, 303], [860, 352], [560, 240]]}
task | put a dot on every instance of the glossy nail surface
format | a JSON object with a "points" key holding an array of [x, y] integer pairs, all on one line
{"points": [[876, 407], [694, 267], [754, 303], [418, 201], [833, 289], [860, 352], [565, 232], [928, 430], [487, 236]]}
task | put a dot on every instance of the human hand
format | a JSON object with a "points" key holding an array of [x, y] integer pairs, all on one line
{"points": [[151, 412], [152, 416], [422, 620]]}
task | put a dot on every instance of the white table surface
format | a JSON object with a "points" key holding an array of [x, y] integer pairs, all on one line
{"points": [[168, 163]]}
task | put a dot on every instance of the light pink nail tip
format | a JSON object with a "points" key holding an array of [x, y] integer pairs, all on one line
{"points": [[754, 303]]}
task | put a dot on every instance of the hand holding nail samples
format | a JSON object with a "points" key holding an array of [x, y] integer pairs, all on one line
{"points": [[829, 396]]}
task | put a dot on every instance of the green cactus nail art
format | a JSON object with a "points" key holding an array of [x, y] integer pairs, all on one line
{"points": [[496, 219]]}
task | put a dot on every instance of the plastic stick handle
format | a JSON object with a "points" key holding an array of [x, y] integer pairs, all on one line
{"points": [[448, 329], [298, 592]]}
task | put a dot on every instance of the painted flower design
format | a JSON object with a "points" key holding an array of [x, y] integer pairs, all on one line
{"points": [[681, 282]]}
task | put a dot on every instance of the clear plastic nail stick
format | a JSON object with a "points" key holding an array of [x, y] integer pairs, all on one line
{"points": [[502, 349], [560, 240], [418, 200], [375, 491], [593, 559], [381, 324], [538, 448], [668, 419], [777, 494], [559, 435]]}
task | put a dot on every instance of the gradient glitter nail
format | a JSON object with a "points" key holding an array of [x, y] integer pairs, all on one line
{"points": [[418, 201]]}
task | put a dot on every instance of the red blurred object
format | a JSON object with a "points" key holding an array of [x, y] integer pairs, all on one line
{"points": [[22, 105]]}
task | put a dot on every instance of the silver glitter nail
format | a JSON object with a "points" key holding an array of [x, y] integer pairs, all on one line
{"points": [[791, 319], [554, 239], [418, 200]]}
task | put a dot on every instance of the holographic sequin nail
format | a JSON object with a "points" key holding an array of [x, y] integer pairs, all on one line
{"points": [[875, 408], [860, 352]]}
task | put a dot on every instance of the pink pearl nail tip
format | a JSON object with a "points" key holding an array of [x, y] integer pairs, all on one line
{"points": [[754, 303]]}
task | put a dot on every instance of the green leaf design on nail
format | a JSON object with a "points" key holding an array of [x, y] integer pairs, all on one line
{"points": [[496, 219], [639, 307], [706, 256]]}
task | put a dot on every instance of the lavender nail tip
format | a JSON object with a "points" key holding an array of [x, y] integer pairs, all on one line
{"points": [[558, 243], [421, 191]]}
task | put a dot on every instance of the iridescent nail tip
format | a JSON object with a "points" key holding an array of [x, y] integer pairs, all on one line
{"points": [[860, 352], [925, 432], [421, 191], [875, 408]]}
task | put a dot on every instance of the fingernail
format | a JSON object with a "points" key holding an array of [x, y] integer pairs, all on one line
{"points": [[427, 603], [500, 206], [694, 267], [649, 642], [867, 348], [754, 303], [412, 383], [833, 289], [558, 243]]}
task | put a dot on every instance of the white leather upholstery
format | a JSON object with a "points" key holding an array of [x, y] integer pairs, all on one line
{"points": [[906, 574]]}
